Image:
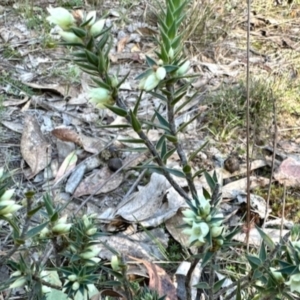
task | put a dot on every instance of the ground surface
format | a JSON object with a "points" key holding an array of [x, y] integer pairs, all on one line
{"points": [[35, 81]]}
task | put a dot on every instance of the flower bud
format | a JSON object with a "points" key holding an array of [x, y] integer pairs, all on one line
{"points": [[204, 207], [61, 17], [151, 82], [44, 232], [7, 195], [72, 277], [219, 242], [160, 73], [75, 286], [100, 97], [92, 251], [277, 275], [183, 69], [171, 53], [10, 209], [216, 231], [70, 37], [91, 231], [46, 289], [114, 81], [16, 273], [97, 27], [93, 261], [18, 283], [115, 263], [62, 228], [91, 15]]}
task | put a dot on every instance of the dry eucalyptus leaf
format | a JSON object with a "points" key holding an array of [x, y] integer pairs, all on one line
{"points": [[152, 204], [91, 184], [35, 150], [16, 127], [67, 135]]}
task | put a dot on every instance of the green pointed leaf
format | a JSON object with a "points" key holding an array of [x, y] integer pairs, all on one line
{"points": [[135, 149], [266, 238], [207, 258], [172, 31], [198, 173], [202, 285], [117, 110], [211, 182], [171, 138], [115, 126], [36, 230], [137, 127], [123, 80], [159, 96], [194, 154], [35, 210], [81, 33], [163, 150], [254, 261], [218, 285], [79, 54], [100, 83], [187, 101], [144, 74], [289, 270], [86, 66], [168, 154], [54, 217], [150, 62], [262, 252], [169, 18], [185, 124], [162, 120], [134, 141], [170, 68], [102, 42], [232, 233], [92, 58], [160, 142], [176, 172], [48, 204], [155, 125], [137, 104], [178, 98], [104, 32]]}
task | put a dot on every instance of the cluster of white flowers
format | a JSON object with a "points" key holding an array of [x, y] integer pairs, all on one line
{"points": [[65, 20], [201, 221], [7, 205], [59, 227]]}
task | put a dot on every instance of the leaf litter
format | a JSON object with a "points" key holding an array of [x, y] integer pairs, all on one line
{"points": [[53, 101]]}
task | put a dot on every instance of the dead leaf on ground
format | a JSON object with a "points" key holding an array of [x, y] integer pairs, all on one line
{"points": [[35, 150], [91, 184], [67, 166], [160, 281], [67, 135], [16, 127], [289, 172], [122, 43]]}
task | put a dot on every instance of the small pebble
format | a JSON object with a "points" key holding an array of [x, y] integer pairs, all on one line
{"points": [[114, 164]]}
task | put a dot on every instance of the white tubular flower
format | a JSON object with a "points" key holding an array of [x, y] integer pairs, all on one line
{"points": [[204, 207], [183, 69], [91, 252], [91, 15], [62, 220], [91, 231], [197, 233], [189, 216], [161, 73], [277, 275], [61, 228], [70, 37], [44, 232], [97, 27], [115, 263], [46, 289], [151, 82], [61, 17], [18, 283], [93, 261], [10, 207], [294, 283], [100, 97], [7, 195], [16, 273], [218, 223]]}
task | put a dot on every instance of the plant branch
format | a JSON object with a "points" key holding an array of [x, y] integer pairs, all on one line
{"points": [[155, 154], [178, 145]]}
